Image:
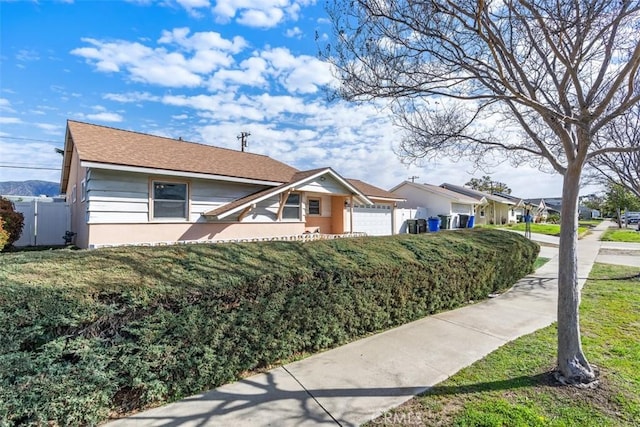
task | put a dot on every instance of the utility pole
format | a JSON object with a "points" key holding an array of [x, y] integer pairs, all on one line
{"points": [[413, 178], [243, 140]]}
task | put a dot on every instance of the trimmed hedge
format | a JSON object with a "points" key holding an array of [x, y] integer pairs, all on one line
{"points": [[86, 334]]}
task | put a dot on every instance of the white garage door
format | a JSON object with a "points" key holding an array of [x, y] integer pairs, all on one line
{"points": [[374, 220]]}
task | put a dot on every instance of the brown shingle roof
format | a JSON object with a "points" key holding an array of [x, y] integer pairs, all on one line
{"points": [[121, 147], [373, 191]]}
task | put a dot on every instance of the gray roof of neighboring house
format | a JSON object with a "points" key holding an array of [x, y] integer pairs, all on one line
{"points": [[452, 195], [477, 194]]}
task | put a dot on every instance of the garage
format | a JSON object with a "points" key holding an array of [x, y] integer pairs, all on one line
{"points": [[375, 220]]}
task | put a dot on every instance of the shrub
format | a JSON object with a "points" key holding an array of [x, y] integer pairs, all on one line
{"points": [[553, 219], [87, 333], [13, 221], [4, 235]]}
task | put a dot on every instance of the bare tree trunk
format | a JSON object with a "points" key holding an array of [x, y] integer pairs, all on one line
{"points": [[573, 366], [618, 218]]}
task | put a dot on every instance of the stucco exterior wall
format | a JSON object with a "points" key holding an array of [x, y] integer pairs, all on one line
{"points": [[77, 206], [116, 234]]}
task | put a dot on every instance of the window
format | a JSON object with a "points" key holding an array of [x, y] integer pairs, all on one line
{"points": [[83, 190], [314, 206], [169, 200], [292, 207], [74, 192], [482, 213]]}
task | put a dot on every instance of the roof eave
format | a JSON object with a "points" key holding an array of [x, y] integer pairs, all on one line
{"points": [[66, 161], [142, 169], [282, 188]]}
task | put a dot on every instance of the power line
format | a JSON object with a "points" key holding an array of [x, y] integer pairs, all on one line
{"points": [[28, 139], [29, 167]]}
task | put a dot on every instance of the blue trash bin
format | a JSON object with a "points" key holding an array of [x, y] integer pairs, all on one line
{"points": [[471, 221], [434, 224]]}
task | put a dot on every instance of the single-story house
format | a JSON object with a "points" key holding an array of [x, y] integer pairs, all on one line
{"points": [[544, 208], [436, 201], [127, 187], [490, 208]]}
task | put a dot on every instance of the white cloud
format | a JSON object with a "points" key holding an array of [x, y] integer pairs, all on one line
{"points": [[102, 117], [259, 13], [5, 105], [26, 155], [294, 32], [199, 54], [50, 129], [26, 55], [131, 97], [192, 6], [10, 120]]}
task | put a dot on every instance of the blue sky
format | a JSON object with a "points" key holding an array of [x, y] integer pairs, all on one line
{"points": [[203, 70]]}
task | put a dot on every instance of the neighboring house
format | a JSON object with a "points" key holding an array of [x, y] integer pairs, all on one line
{"points": [[537, 209], [131, 188], [540, 211], [490, 208], [546, 207], [433, 200]]}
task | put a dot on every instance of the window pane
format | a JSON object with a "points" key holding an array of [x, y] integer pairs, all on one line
{"points": [[291, 212], [168, 209], [314, 207], [168, 191], [293, 199]]}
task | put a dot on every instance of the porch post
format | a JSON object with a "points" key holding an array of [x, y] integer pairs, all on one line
{"points": [[351, 213]]}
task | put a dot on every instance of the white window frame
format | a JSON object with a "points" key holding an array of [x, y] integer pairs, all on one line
{"points": [[152, 209], [298, 205], [74, 194], [83, 190]]}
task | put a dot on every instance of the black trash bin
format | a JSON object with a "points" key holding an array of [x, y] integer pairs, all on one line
{"points": [[445, 222], [422, 225], [412, 226], [464, 219]]}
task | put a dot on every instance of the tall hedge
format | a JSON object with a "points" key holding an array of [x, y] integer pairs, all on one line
{"points": [[87, 333]]}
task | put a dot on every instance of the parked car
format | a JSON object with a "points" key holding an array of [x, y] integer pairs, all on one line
{"points": [[632, 217]]}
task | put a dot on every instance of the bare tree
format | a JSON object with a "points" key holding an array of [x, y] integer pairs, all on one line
{"points": [[535, 80], [622, 168]]}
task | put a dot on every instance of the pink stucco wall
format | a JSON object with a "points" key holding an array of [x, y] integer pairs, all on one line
{"points": [[112, 234]]}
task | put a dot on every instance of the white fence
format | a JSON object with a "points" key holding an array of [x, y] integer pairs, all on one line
{"points": [[45, 222]]}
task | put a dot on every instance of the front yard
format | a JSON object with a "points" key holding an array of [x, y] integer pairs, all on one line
{"points": [[513, 386], [621, 235], [548, 229]]}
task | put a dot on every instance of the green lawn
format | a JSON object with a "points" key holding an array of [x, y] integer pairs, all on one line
{"points": [[589, 222], [513, 385], [540, 261], [621, 235], [549, 229]]}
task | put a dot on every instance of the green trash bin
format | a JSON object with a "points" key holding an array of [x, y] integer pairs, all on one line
{"points": [[445, 222], [412, 226], [422, 225]]}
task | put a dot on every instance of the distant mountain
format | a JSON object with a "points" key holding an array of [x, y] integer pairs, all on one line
{"points": [[30, 188]]}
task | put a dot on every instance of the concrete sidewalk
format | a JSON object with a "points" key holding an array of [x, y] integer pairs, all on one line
{"points": [[359, 381]]}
